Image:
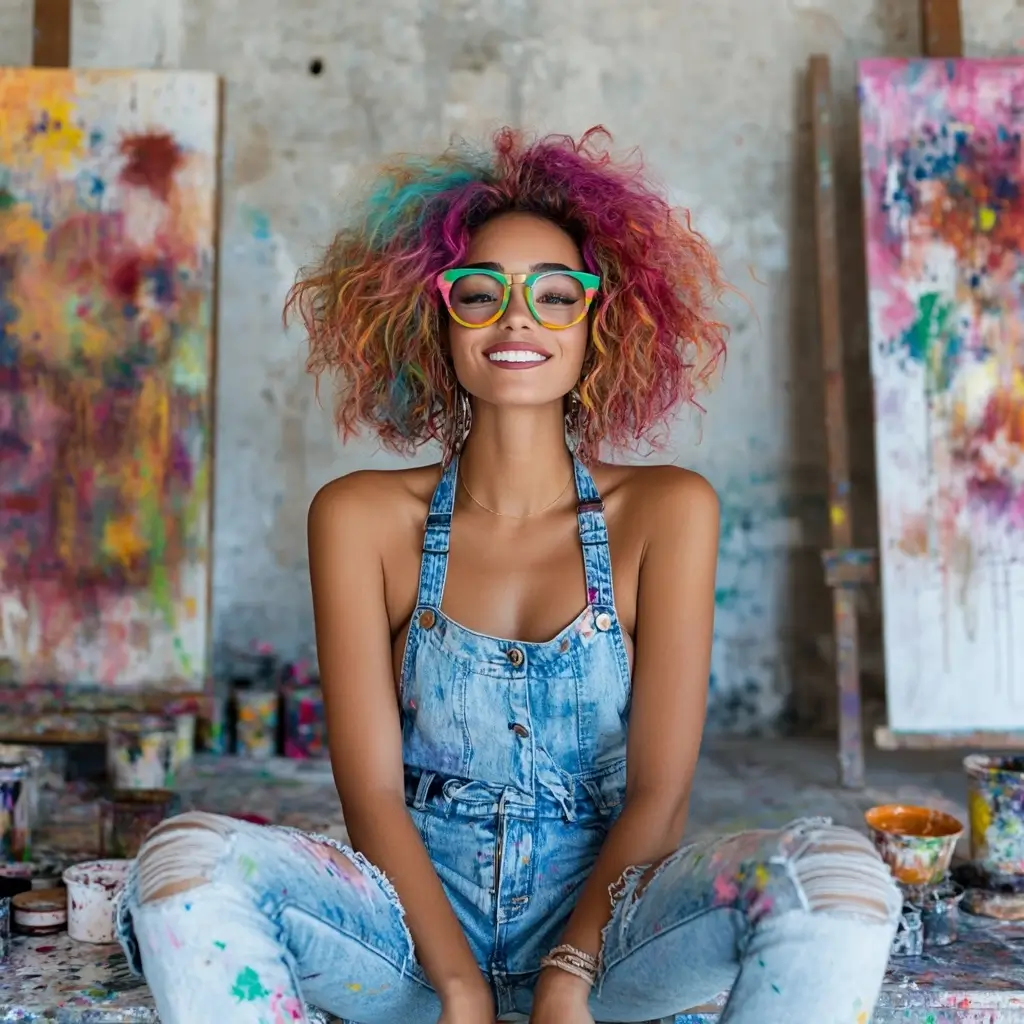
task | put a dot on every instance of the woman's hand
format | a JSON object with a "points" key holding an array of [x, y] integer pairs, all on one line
{"points": [[560, 998], [468, 1005]]}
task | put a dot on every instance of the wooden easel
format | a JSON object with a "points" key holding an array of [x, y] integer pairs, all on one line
{"points": [[846, 568]]}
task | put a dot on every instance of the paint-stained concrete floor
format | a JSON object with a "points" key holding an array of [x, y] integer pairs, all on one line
{"points": [[740, 784], [765, 782]]}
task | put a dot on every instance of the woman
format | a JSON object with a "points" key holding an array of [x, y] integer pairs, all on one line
{"points": [[515, 788]]}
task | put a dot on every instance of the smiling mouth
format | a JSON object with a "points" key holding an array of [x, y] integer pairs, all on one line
{"points": [[517, 356]]}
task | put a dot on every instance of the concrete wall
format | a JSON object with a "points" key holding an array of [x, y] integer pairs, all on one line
{"points": [[711, 90]]}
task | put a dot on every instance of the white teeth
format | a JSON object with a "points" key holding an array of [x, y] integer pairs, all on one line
{"points": [[516, 357]]}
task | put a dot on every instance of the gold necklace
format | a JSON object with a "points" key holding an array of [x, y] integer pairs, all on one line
{"points": [[506, 515]]}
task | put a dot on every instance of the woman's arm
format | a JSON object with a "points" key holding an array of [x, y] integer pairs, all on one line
{"points": [[674, 626], [347, 532]]}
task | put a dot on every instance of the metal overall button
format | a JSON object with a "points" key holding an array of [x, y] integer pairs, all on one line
{"points": [[427, 619], [520, 730], [603, 622], [516, 657]]}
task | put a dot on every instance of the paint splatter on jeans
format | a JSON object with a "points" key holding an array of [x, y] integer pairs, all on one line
{"points": [[796, 922]]}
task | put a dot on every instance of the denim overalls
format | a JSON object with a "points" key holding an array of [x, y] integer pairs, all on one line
{"points": [[515, 752], [515, 770]]}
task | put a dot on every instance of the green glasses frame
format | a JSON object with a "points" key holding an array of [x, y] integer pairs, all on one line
{"points": [[447, 278]]}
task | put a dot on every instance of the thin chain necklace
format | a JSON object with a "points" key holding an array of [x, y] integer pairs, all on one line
{"points": [[506, 515]]}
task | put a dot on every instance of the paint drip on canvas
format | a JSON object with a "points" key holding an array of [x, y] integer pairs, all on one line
{"points": [[944, 214], [107, 227]]}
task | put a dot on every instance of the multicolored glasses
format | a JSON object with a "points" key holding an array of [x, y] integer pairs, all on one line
{"points": [[557, 299]]}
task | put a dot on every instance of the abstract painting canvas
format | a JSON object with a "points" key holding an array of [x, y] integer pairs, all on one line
{"points": [[943, 174], [108, 187]]}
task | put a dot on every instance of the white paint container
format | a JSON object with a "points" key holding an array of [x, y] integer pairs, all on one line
{"points": [[140, 751], [92, 889]]}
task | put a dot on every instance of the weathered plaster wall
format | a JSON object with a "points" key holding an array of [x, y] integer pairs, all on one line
{"points": [[711, 90]]}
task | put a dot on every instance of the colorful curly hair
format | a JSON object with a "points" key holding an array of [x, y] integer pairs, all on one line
{"points": [[376, 322]]}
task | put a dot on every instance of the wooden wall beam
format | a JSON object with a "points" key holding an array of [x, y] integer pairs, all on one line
{"points": [[51, 34], [941, 32]]}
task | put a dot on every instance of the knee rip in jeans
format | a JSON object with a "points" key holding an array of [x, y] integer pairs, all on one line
{"points": [[182, 853], [837, 870]]}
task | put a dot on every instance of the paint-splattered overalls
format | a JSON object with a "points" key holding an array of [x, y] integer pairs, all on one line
{"points": [[515, 760]]}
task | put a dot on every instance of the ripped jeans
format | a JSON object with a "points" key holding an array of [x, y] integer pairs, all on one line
{"points": [[234, 923]]}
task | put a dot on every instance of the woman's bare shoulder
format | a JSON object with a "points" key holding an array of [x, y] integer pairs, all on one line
{"points": [[375, 502], [655, 498]]}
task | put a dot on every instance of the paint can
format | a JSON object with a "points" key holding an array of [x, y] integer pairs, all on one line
{"points": [[940, 914], [5, 927], [212, 730], [995, 803], [140, 751], [35, 758], [15, 805], [92, 889], [130, 815], [909, 937], [184, 739], [256, 730], [917, 843], [305, 732], [41, 912]]}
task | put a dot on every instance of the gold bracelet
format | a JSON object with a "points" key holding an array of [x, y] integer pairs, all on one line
{"points": [[573, 961], [566, 950], [583, 973]]}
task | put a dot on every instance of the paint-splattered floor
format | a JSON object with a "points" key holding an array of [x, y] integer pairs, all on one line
{"points": [[740, 784]]}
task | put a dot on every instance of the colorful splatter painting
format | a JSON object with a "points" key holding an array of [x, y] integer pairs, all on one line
{"points": [[108, 185], [943, 173]]}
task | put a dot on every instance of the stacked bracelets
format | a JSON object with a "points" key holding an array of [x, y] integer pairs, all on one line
{"points": [[572, 961]]}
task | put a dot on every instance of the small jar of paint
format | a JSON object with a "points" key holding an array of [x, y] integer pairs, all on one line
{"points": [[940, 914], [41, 911]]}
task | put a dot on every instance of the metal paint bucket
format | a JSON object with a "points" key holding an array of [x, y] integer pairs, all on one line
{"points": [[995, 802], [140, 751], [130, 815], [92, 889], [15, 812], [257, 722]]}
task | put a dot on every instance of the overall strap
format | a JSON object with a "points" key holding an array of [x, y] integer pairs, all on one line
{"points": [[436, 537], [597, 559]]}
